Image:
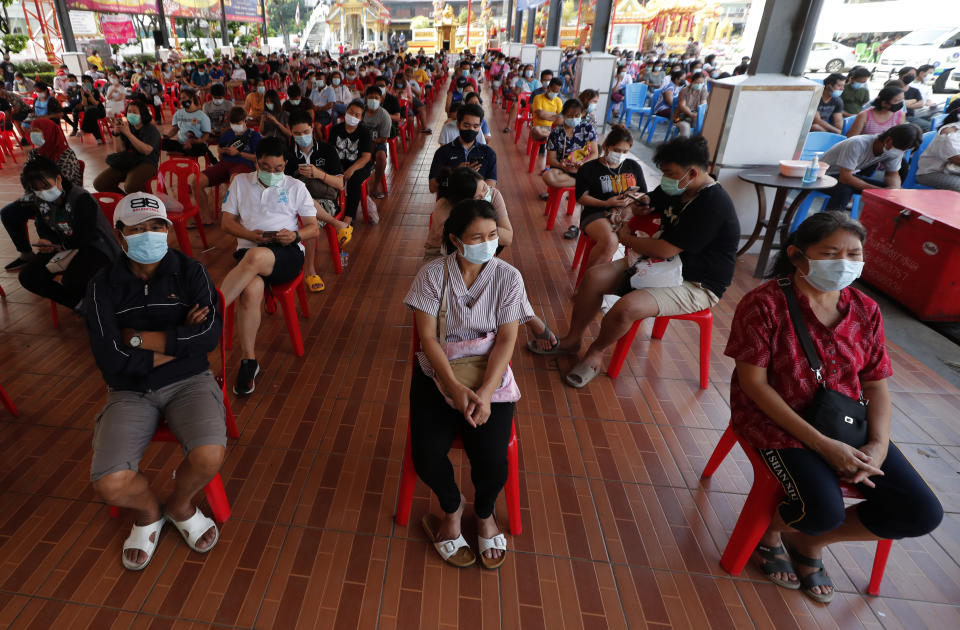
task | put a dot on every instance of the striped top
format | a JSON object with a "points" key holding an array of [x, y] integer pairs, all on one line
{"points": [[495, 298]]}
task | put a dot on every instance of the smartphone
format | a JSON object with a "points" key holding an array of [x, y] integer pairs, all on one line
{"points": [[272, 234]]}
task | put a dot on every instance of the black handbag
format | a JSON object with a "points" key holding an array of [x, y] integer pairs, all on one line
{"points": [[833, 414]]}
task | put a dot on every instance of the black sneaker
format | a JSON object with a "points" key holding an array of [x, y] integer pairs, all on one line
{"points": [[249, 368], [16, 264]]}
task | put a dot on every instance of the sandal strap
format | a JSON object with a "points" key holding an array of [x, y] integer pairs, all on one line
{"points": [[497, 542], [448, 548], [772, 564], [816, 563], [817, 578], [139, 537], [194, 527]]}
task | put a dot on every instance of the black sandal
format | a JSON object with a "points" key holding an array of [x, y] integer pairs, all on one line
{"points": [[817, 578], [772, 564]]}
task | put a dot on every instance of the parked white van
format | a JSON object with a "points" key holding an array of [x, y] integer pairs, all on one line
{"points": [[939, 47]]}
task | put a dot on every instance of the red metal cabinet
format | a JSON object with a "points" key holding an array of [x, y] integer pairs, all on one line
{"points": [[913, 249]]}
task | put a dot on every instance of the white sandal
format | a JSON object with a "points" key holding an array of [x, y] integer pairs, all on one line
{"points": [[497, 542], [139, 539], [449, 550], [195, 527]]}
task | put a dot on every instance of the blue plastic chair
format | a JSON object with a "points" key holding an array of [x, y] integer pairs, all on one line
{"points": [[819, 142], [937, 121], [634, 101], [647, 110], [847, 123], [910, 181], [698, 123], [654, 121]]}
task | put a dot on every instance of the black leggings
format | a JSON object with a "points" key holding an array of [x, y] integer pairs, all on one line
{"points": [[15, 216], [197, 149], [353, 189], [433, 426], [901, 505], [73, 283]]}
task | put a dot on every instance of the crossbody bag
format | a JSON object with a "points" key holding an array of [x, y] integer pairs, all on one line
{"points": [[834, 414], [469, 370]]}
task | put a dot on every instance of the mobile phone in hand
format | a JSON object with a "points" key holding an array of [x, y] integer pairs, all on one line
{"points": [[271, 235]]}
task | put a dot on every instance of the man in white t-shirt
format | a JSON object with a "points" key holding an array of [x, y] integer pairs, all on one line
{"points": [[261, 210]]}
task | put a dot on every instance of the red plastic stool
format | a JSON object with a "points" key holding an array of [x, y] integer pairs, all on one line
{"points": [[533, 150], [408, 476], [757, 512], [8, 403], [364, 193], [282, 293], [333, 242], [703, 318], [554, 196], [54, 315], [582, 255], [394, 159]]}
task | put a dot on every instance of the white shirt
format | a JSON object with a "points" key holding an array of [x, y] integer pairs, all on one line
{"points": [[239, 74], [273, 208], [941, 148]]}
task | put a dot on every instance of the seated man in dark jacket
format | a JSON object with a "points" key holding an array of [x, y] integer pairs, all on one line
{"points": [[152, 317]]}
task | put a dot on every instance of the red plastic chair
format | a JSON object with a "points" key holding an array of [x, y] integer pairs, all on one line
{"points": [[554, 197], [108, 203], [582, 255], [394, 159], [408, 476], [364, 192], [523, 114], [282, 293], [7, 136], [104, 126], [214, 490], [403, 127], [533, 150], [176, 173], [757, 512], [332, 240], [8, 403], [703, 318]]}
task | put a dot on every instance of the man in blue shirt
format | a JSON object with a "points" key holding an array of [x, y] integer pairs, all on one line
{"points": [[464, 151], [191, 129]]}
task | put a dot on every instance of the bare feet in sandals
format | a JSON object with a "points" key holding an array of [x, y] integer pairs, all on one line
{"points": [[183, 513], [450, 523], [543, 337], [771, 557], [139, 556]]}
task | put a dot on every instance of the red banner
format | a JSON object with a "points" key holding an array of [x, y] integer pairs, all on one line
{"points": [[140, 7], [117, 29]]}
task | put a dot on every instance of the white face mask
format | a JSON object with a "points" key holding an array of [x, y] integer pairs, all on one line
{"points": [[832, 275], [238, 128], [352, 121], [480, 253], [50, 194], [615, 159]]}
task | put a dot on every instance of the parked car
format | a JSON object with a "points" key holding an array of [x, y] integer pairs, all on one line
{"points": [[831, 57]]}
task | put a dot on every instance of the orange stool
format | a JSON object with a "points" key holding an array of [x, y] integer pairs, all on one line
{"points": [[703, 318], [282, 293], [408, 476], [757, 512], [554, 197]]}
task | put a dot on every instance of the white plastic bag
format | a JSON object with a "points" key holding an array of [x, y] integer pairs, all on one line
{"points": [[372, 211], [652, 273]]}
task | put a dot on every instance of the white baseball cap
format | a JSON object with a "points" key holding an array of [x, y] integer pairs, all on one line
{"points": [[138, 207]]}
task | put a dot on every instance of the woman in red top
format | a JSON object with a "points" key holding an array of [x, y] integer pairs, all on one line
{"points": [[773, 386]]}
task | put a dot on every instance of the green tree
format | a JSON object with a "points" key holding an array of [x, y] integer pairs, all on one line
{"points": [[14, 42], [280, 18], [421, 21]]}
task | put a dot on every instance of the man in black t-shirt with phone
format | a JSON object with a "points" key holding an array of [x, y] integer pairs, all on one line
{"points": [[700, 226]]}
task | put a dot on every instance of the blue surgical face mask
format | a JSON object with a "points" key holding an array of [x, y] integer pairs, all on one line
{"points": [[832, 275], [672, 186], [572, 122], [36, 138], [50, 194], [133, 119], [147, 247], [270, 179], [305, 140], [837, 93], [480, 253], [373, 104], [858, 86]]}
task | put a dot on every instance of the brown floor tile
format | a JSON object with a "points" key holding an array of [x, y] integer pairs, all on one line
{"points": [[777, 608], [548, 445], [10, 607], [627, 451], [43, 614], [897, 614], [265, 484]]}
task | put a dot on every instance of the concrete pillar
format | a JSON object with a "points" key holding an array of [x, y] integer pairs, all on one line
{"points": [[601, 27], [785, 37], [518, 33], [508, 11], [531, 21], [553, 22], [224, 34], [66, 29]]}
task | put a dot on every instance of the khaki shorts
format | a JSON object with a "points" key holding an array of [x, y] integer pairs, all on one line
{"points": [[192, 408], [689, 297]]}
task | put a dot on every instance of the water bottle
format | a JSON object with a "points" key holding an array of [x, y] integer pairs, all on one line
{"points": [[344, 259], [813, 171]]}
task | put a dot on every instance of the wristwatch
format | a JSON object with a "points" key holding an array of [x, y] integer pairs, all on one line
{"points": [[136, 341]]}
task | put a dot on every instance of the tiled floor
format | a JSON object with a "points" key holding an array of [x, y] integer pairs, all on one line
{"points": [[618, 532]]}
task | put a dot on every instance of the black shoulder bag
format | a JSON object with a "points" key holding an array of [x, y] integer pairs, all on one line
{"points": [[835, 415]]}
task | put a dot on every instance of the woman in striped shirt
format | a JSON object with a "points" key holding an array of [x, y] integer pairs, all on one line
{"points": [[484, 302]]}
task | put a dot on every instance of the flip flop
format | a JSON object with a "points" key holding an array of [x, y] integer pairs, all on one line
{"points": [[456, 552], [772, 564], [572, 232], [546, 334], [817, 578], [344, 235], [314, 283], [195, 527], [580, 375], [139, 539]]}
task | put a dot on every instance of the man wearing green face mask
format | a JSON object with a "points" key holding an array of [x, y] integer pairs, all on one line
{"points": [[261, 210], [699, 225]]}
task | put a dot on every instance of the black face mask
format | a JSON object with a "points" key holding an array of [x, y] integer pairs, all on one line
{"points": [[897, 107], [468, 135], [907, 80]]}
